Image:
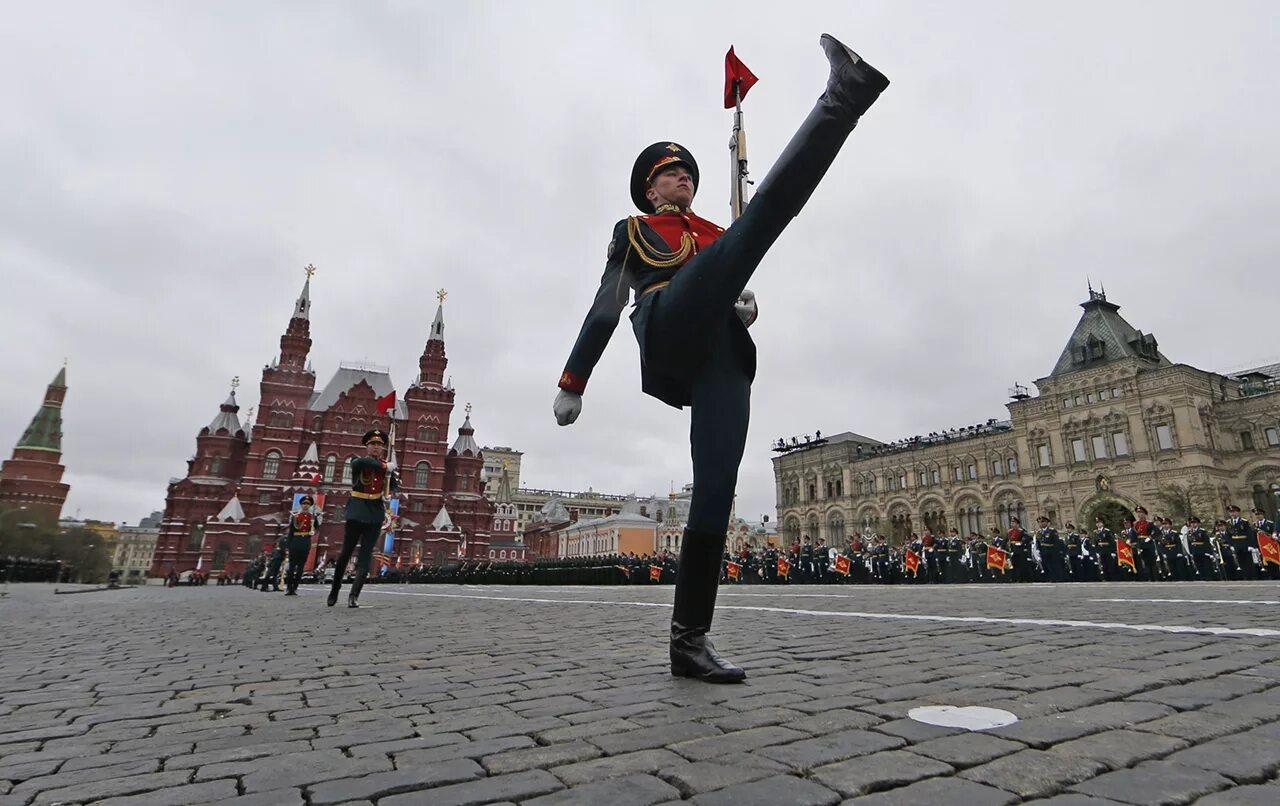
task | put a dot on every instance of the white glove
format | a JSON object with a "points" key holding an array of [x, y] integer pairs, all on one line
{"points": [[745, 307], [567, 407]]}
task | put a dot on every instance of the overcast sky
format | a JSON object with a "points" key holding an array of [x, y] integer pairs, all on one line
{"points": [[169, 168]]}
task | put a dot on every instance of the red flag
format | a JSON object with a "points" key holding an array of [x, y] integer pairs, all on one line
{"points": [[843, 565], [736, 72], [655, 573], [387, 402], [784, 568], [996, 558], [1124, 554], [733, 570], [1270, 548], [913, 563]]}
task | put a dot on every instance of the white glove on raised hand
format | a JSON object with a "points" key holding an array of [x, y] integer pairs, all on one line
{"points": [[567, 407], [745, 307]]}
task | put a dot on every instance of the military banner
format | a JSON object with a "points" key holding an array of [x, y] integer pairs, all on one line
{"points": [[912, 562], [1269, 547], [1124, 554], [784, 568], [843, 565], [997, 558], [655, 573], [733, 570]]}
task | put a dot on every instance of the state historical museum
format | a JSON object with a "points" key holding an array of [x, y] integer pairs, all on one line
{"points": [[244, 479]]}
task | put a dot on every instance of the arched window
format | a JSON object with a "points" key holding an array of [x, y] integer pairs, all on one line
{"points": [[835, 529], [427, 433], [330, 468], [356, 427], [196, 539], [215, 464], [346, 470], [502, 555], [220, 555], [271, 468], [253, 546], [421, 474]]}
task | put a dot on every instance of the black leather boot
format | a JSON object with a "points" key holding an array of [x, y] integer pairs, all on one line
{"points": [[335, 590], [356, 587], [852, 87], [697, 580]]}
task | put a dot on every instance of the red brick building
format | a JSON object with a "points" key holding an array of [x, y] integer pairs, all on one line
{"points": [[31, 479], [242, 480]]}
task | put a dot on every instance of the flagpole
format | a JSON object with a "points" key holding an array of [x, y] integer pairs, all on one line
{"points": [[738, 157]]}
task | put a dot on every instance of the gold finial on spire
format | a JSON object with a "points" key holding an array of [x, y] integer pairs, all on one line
{"points": [[235, 383], [468, 409], [441, 294], [310, 270]]}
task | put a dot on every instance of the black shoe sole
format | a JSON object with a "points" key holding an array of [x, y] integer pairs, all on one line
{"points": [[678, 671]]}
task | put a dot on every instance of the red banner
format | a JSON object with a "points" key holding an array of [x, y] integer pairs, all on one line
{"points": [[996, 558], [912, 562], [784, 568], [655, 573], [736, 72], [1270, 548], [387, 402], [733, 570], [843, 565], [1124, 554]]}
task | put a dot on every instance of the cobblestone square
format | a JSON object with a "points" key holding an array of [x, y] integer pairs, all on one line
{"points": [[435, 694]]}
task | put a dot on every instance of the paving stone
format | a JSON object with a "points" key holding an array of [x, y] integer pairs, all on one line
{"points": [[1202, 692], [786, 789], [193, 760], [967, 749], [949, 791], [178, 795], [1198, 726], [860, 776], [29, 769], [1043, 731], [473, 750], [294, 769], [741, 741], [632, 790], [706, 776], [276, 797], [1034, 773], [643, 761], [809, 753], [834, 720], [519, 786], [914, 731], [532, 757], [1246, 758], [1075, 800], [110, 788], [1268, 795], [586, 730], [66, 778], [658, 736], [760, 717], [1154, 782], [383, 784], [404, 745], [1118, 749]]}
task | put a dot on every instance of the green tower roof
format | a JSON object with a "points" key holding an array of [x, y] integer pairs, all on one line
{"points": [[45, 431]]}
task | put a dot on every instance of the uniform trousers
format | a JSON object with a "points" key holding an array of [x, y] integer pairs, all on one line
{"points": [[299, 550], [366, 536], [1244, 560]]}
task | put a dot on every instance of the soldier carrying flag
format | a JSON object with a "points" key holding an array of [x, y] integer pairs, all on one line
{"points": [[692, 310]]}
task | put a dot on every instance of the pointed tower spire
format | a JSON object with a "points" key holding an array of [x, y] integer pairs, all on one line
{"points": [[32, 478], [227, 413], [302, 308], [432, 364]]}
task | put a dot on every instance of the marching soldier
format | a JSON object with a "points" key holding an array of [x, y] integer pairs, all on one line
{"points": [[1020, 552], [1074, 553], [1225, 553], [1104, 544], [806, 561], [302, 525], [1171, 554], [371, 479], [1243, 539], [1051, 550], [821, 559], [1201, 547], [977, 558], [955, 554], [691, 319], [272, 576], [1144, 545]]}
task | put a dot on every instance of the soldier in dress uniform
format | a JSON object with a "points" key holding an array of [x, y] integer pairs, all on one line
{"points": [[1104, 547], [1201, 547], [691, 319], [1074, 553], [1242, 539], [806, 561], [371, 480], [272, 575], [954, 571], [1051, 550], [977, 558], [1171, 554], [1020, 552], [1144, 545], [302, 525]]}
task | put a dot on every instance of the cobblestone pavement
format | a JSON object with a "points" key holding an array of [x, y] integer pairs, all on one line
{"points": [[1162, 693]]}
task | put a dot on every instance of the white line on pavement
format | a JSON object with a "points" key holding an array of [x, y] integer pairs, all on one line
{"points": [[1256, 632], [1199, 601]]}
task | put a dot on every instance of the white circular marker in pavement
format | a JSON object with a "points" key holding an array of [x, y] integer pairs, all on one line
{"points": [[970, 717]]}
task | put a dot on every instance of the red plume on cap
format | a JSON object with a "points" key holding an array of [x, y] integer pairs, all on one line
{"points": [[736, 72]]}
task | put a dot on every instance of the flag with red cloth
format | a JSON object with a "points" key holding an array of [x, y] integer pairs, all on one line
{"points": [[1124, 554], [784, 568], [843, 564], [1269, 547], [997, 558], [387, 402], [735, 72], [733, 570], [912, 563], [655, 573]]}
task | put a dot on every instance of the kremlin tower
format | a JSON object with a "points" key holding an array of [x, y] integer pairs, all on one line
{"points": [[32, 478]]}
